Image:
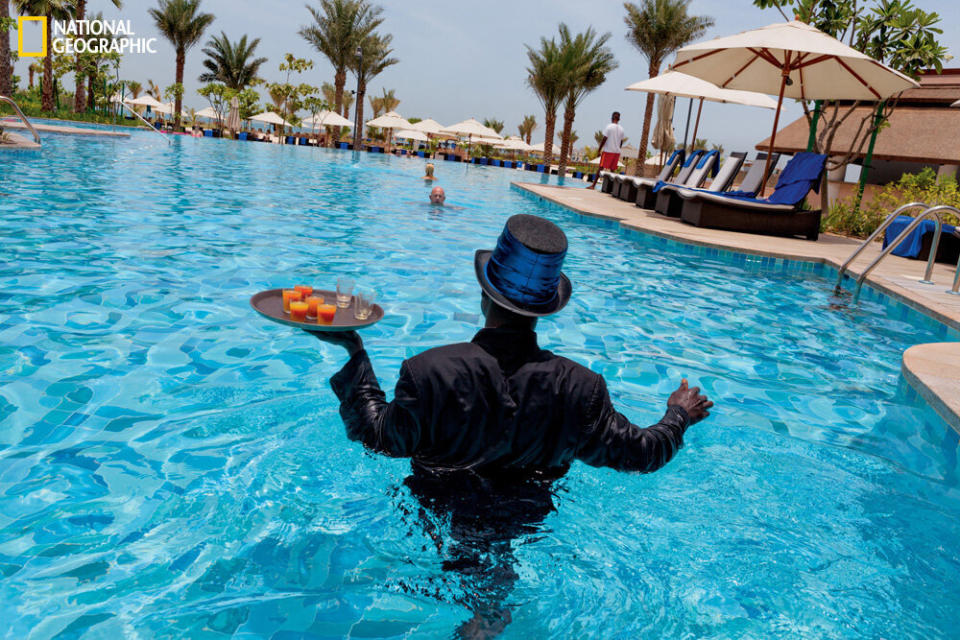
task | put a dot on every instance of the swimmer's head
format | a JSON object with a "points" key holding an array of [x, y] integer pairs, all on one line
{"points": [[429, 168], [437, 196]]}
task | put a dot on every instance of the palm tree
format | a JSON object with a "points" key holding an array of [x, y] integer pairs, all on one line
{"points": [[329, 93], [339, 27], [657, 28], [181, 22], [376, 105], [545, 77], [134, 86], [347, 104], [493, 123], [6, 69], [80, 13], [153, 89], [52, 10], [32, 70], [375, 57], [526, 128], [231, 63], [587, 61], [389, 100]]}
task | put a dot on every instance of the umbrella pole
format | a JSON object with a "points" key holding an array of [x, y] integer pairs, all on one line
{"points": [[697, 125], [776, 121], [686, 129]]}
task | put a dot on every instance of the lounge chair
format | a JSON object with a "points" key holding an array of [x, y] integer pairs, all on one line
{"points": [[625, 187], [778, 215], [645, 195], [670, 204]]}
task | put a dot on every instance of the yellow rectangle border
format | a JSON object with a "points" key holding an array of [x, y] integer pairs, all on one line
{"points": [[43, 29]]}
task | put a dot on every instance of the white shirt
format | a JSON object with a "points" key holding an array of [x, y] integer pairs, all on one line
{"points": [[614, 133]]}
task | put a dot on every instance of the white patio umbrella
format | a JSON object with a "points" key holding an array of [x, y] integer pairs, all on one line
{"points": [[682, 85], [793, 60], [411, 134], [662, 138], [429, 126], [537, 148], [146, 101], [208, 112], [956, 104], [514, 143], [471, 127], [269, 117], [390, 120], [327, 119]]}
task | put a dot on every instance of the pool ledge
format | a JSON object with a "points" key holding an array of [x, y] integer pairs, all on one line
{"points": [[934, 371]]}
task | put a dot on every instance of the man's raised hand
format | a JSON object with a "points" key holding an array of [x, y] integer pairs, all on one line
{"points": [[691, 401]]}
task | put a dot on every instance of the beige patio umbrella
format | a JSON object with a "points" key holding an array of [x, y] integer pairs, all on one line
{"points": [[208, 112], [269, 117], [682, 85], [662, 138], [794, 60], [429, 126], [412, 134], [390, 120], [470, 128], [146, 101], [327, 119]]}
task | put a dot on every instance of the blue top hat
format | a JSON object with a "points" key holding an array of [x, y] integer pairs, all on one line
{"points": [[523, 273]]}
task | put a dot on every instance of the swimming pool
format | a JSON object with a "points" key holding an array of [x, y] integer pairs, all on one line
{"points": [[171, 465]]}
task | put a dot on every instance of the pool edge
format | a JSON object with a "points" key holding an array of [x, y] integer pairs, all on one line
{"points": [[933, 386]]}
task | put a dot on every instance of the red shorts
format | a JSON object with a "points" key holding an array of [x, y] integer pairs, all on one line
{"points": [[609, 161]]}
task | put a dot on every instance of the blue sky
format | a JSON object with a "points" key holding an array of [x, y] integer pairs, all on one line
{"points": [[461, 59]]}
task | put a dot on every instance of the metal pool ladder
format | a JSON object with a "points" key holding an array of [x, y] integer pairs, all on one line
{"points": [[36, 136], [143, 120]]}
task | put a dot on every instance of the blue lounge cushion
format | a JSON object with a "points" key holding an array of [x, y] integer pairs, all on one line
{"points": [[911, 245], [800, 175]]}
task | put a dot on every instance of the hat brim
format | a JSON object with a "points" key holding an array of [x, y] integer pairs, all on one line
{"points": [[564, 289]]}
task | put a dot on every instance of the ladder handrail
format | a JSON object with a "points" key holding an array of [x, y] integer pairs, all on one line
{"points": [[36, 136], [900, 238], [142, 119], [866, 243]]}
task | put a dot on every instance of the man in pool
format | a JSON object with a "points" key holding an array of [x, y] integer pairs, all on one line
{"points": [[437, 196], [490, 424]]}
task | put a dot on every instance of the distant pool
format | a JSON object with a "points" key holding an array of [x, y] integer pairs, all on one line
{"points": [[173, 466]]}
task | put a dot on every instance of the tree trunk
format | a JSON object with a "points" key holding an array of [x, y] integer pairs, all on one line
{"points": [[568, 115], [358, 110], [178, 101], [79, 99], [339, 80], [30, 78], [549, 123], [46, 101], [90, 80], [653, 71], [6, 71]]}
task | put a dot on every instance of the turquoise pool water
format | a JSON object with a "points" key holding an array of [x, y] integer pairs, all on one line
{"points": [[173, 466]]}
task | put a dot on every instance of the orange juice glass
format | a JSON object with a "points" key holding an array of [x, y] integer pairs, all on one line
{"points": [[305, 290], [312, 303], [290, 295], [298, 311], [326, 313]]}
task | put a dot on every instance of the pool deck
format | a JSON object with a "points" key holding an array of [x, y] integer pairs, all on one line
{"points": [[933, 369], [14, 141], [56, 128]]}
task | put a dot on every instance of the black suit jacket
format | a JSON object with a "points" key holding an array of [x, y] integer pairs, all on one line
{"points": [[499, 404]]}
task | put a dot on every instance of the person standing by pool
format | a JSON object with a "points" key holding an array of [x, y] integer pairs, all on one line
{"points": [[610, 147], [490, 424], [429, 176]]}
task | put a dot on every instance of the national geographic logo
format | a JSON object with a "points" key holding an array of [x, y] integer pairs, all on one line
{"points": [[32, 52], [82, 36]]}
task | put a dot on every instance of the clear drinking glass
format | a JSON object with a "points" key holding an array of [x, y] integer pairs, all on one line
{"points": [[364, 305], [344, 291]]}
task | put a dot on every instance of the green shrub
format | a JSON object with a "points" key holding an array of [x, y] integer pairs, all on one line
{"points": [[911, 187]]}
